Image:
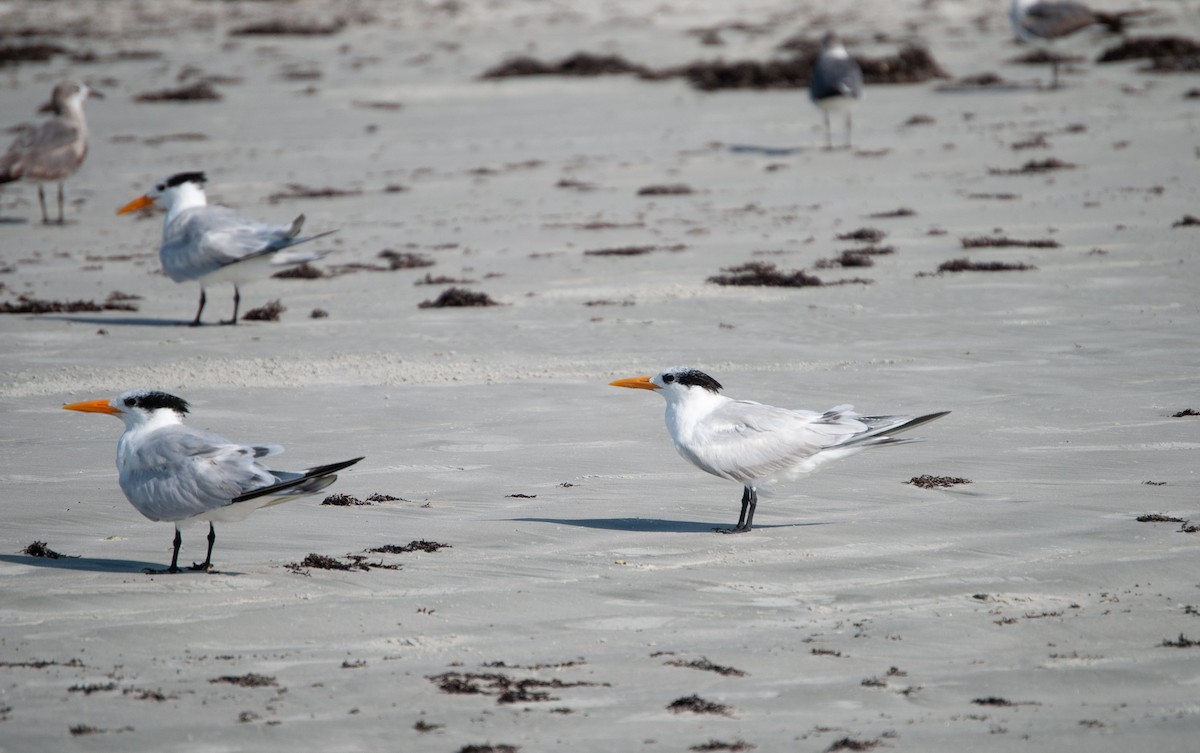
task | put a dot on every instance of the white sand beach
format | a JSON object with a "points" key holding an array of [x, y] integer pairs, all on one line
{"points": [[580, 592]]}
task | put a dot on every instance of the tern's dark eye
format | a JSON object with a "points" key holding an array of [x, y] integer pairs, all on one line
{"points": [[668, 378], [129, 402]]}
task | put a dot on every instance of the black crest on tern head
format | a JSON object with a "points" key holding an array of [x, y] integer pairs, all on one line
{"points": [[179, 179], [691, 378], [152, 400]]}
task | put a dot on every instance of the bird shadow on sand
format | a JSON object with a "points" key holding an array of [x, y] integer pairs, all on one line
{"points": [[91, 564], [115, 322], [650, 525], [13, 221], [766, 151]]}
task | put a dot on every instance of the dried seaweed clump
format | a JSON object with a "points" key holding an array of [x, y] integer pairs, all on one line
{"points": [[698, 705], [704, 664], [303, 271], [966, 265], [405, 260], [290, 27], [765, 274], [669, 189], [863, 234], [937, 482], [579, 64], [1034, 167], [343, 500], [201, 91], [506, 689], [268, 312], [412, 546], [251, 680], [39, 549], [982, 241], [1153, 48], [1185, 413], [458, 297], [912, 65], [1187, 221], [27, 305]]}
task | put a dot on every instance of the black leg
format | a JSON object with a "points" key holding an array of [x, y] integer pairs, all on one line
{"points": [[174, 568], [749, 501], [203, 299], [60, 203], [237, 299], [42, 201], [212, 539]]}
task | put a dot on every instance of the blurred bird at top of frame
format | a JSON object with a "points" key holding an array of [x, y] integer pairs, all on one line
{"points": [[1043, 22], [760, 445], [210, 243], [836, 83], [175, 473], [54, 149]]}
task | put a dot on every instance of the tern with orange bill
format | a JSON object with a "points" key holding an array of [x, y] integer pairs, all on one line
{"points": [[217, 244], [175, 473], [759, 445]]}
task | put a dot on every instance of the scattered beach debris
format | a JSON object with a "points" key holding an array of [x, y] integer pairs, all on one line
{"points": [[901, 212], [343, 500], [1182, 642], [301, 191], [765, 274], [578, 64], [290, 27], [697, 705], [412, 546], [93, 688], [1036, 141], [825, 652], [505, 688], [996, 196], [966, 265], [251, 680], [1163, 48], [323, 562], [1187, 221], [201, 91], [303, 271], [670, 189], [32, 52], [849, 743], [863, 234], [704, 664], [458, 297], [1158, 518], [935, 482], [919, 119], [1185, 412], [489, 748], [318, 314], [980, 241], [855, 257], [28, 305], [716, 745], [77, 730], [1034, 167], [39, 549], [268, 312], [622, 251], [429, 279], [43, 663], [405, 259]]}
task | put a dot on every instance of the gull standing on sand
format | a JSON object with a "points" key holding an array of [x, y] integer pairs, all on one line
{"points": [[53, 150], [836, 83], [759, 445], [1046, 21], [171, 472], [216, 244]]}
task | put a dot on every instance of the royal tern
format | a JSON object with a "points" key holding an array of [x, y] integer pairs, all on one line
{"points": [[836, 83], [1046, 21], [758, 445], [172, 472], [54, 150], [216, 244]]}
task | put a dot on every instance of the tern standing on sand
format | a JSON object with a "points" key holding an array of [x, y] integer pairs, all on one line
{"points": [[836, 83], [216, 244], [53, 150], [759, 445], [171, 472]]}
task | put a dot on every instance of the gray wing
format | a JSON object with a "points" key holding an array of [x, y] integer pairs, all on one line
{"points": [[201, 240], [1056, 19], [744, 440], [49, 151], [835, 77], [178, 472]]}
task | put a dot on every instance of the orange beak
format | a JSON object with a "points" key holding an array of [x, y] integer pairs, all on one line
{"points": [[637, 383], [140, 202], [93, 406]]}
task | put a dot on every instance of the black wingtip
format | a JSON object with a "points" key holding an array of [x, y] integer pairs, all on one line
{"points": [[309, 475]]}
